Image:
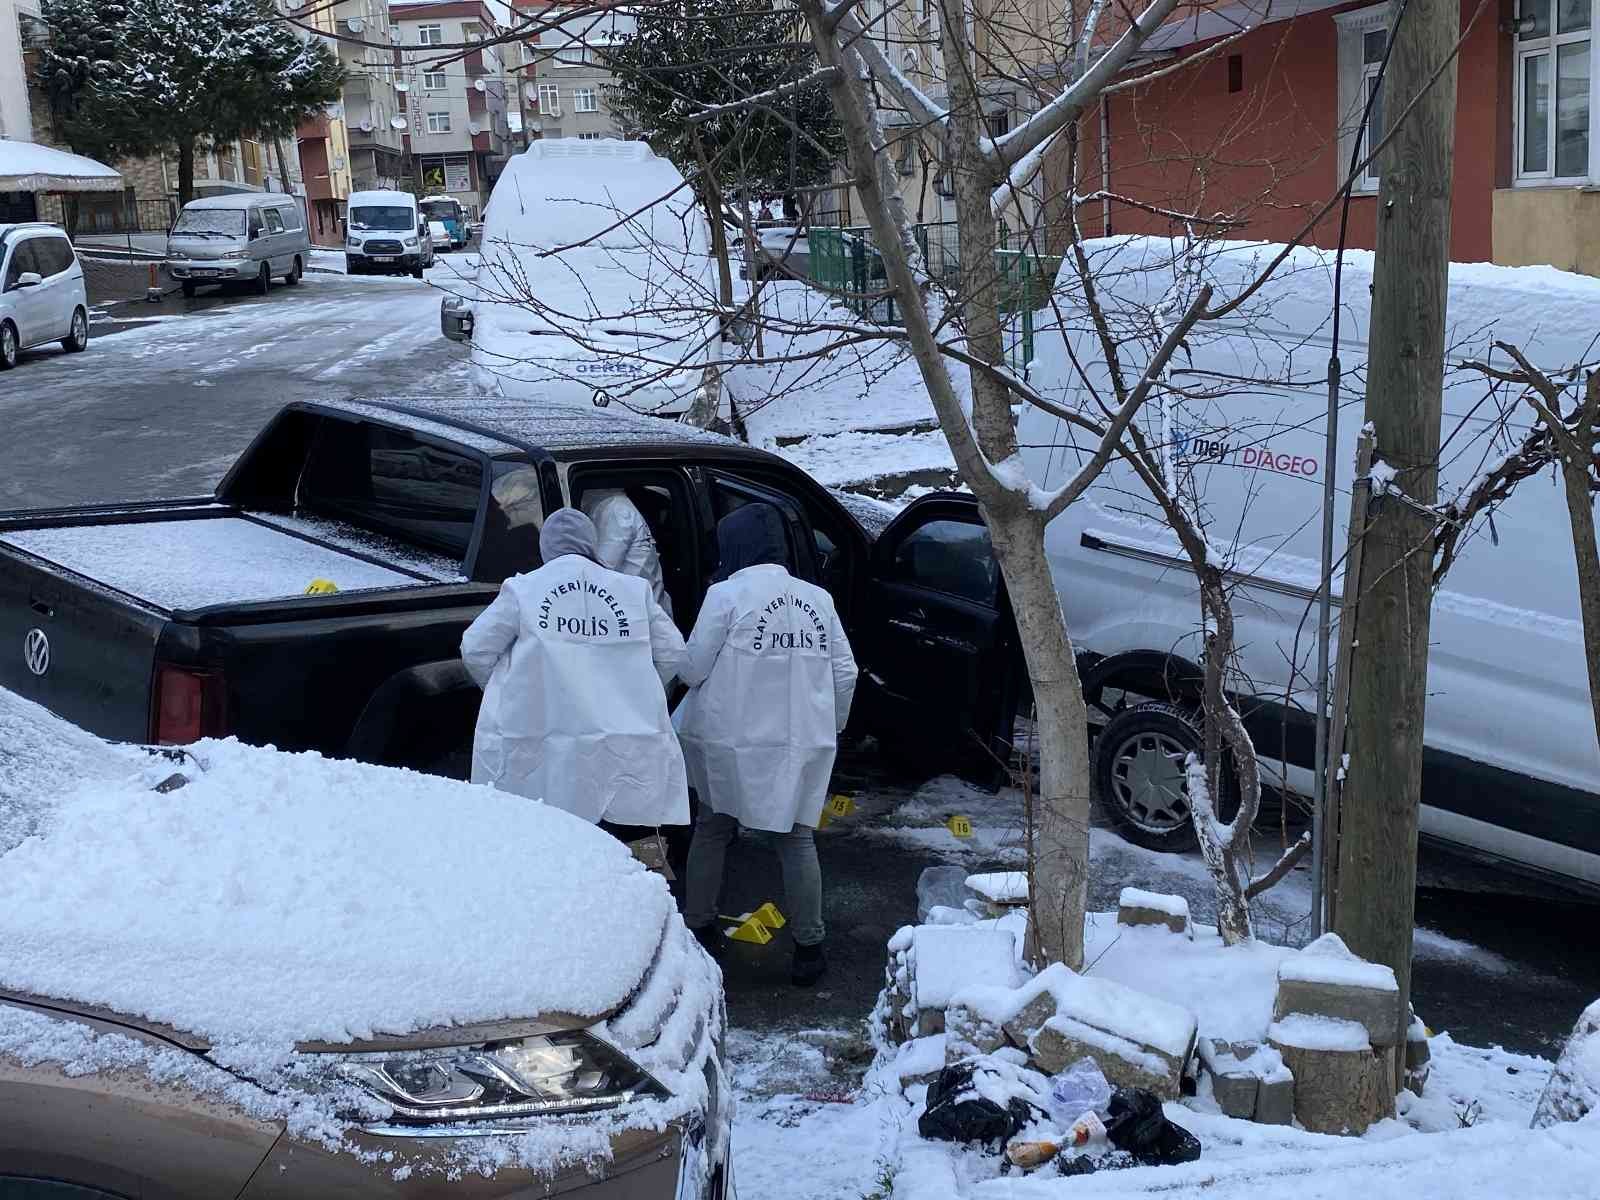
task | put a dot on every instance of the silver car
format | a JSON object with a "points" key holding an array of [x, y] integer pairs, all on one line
{"points": [[42, 297], [244, 238]]}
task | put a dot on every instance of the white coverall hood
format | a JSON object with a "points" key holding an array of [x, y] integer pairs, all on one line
{"points": [[623, 540], [775, 679], [573, 660]]}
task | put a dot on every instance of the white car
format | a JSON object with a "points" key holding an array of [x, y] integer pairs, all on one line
{"points": [[42, 298]]}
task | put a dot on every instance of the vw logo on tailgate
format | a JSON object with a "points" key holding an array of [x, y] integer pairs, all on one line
{"points": [[36, 651]]}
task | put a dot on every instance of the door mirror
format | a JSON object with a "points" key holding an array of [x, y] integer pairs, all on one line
{"points": [[28, 279], [422, 229]]}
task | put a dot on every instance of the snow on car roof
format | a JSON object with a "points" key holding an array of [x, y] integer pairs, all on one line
{"points": [[240, 200], [380, 197], [553, 427], [282, 898]]}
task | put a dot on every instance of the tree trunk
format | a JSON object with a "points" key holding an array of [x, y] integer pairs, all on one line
{"points": [[185, 171], [1388, 694], [1574, 448], [283, 168], [710, 194]]}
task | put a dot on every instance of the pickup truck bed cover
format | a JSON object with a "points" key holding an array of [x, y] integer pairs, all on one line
{"points": [[196, 563]]}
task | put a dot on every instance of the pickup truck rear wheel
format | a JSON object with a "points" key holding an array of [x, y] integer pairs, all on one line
{"points": [[1140, 779]]}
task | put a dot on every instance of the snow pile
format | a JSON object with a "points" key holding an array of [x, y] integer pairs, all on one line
{"points": [[1161, 902], [950, 958], [192, 564], [1574, 1090], [1305, 1031], [282, 898], [1328, 960], [1001, 887]]}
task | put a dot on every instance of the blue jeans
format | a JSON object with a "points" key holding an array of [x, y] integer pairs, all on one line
{"points": [[797, 858]]}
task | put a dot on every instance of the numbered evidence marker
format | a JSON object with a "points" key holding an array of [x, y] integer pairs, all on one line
{"points": [[757, 926], [960, 826], [837, 806], [321, 587]]}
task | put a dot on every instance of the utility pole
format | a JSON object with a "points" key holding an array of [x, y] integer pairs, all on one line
{"points": [[1377, 879]]}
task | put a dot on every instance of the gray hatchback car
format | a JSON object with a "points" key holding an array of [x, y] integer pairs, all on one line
{"points": [[42, 296]]}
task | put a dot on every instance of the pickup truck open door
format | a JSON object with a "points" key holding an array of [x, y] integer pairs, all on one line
{"points": [[942, 672]]}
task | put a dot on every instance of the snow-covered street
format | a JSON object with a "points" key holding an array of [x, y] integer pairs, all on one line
{"points": [[167, 395]]}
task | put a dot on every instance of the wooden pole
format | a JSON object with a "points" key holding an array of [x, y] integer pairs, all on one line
{"points": [[1388, 685]]}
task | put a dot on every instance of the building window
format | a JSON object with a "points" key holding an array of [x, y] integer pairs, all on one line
{"points": [[471, 31], [434, 81], [430, 35], [438, 122], [590, 137], [1553, 47], [1363, 37], [549, 100], [585, 100], [997, 123]]}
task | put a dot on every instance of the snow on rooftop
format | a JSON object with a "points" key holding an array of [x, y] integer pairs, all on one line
{"points": [[281, 898]]}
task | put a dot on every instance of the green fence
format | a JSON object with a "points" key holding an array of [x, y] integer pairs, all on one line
{"points": [[844, 260]]}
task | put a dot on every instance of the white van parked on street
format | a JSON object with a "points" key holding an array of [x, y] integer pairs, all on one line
{"points": [[247, 237], [1511, 770], [595, 281], [386, 234]]}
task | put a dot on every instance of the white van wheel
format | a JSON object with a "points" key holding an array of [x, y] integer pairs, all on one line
{"points": [[264, 280], [1140, 778], [293, 277]]}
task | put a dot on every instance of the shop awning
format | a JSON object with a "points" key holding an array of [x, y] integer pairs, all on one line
{"points": [[30, 167]]}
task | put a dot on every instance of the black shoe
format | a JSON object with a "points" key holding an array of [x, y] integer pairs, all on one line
{"points": [[809, 964], [710, 939]]}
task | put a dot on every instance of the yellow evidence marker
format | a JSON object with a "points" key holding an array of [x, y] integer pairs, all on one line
{"points": [[839, 806], [960, 826], [321, 587]]}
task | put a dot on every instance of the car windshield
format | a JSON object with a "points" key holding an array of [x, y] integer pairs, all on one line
{"points": [[442, 210], [381, 216], [229, 221]]}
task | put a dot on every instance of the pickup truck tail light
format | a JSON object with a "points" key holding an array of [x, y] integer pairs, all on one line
{"points": [[186, 706]]}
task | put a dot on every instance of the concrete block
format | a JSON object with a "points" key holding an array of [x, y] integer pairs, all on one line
{"points": [[1021, 1028], [1234, 1080], [1136, 907], [1418, 1055], [968, 1034], [1275, 1099], [929, 1022], [1341, 1084], [1326, 980]]}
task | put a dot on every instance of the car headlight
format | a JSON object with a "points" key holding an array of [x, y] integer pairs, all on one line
{"points": [[562, 1073], [352, 244], [234, 254], [413, 242]]}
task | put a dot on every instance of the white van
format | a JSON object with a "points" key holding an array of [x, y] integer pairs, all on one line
{"points": [[248, 237], [1511, 768], [386, 234], [625, 309]]}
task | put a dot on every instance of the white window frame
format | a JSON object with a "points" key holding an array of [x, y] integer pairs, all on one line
{"points": [[549, 100], [430, 35], [1353, 75], [438, 125], [1370, 180], [429, 84], [590, 137], [1549, 47], [585, 100]]}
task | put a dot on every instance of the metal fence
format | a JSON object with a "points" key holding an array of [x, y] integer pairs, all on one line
{"points": [[844, 259]]}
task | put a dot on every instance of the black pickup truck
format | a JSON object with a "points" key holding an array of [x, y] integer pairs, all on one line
{"points": [[173, 621]]}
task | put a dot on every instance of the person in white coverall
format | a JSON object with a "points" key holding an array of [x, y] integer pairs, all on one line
{"points": [[772, 678], [574, 660], [624, 541]]}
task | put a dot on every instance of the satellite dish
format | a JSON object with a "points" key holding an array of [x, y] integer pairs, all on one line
{"points": [[400, 85], [367, 127], [397, 122], [480, 85], [334, 111], [474, 128], [356, 24]]}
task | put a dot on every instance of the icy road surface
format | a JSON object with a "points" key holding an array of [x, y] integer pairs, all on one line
{"points": [[161, 408]]}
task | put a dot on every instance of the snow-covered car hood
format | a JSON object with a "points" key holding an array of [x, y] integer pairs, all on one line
{"points": [[280, 899]]}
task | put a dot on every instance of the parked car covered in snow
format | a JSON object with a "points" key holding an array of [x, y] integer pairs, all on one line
{"points": [[287, 976], [595, 282], [1510, 769], [250, 238], [42, 296]]}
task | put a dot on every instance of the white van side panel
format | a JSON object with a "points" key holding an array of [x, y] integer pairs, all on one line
{"points": [[1507, 680]]}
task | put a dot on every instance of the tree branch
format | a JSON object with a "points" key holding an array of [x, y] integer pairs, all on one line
{"points": [[1291, 858], [820, 75]]}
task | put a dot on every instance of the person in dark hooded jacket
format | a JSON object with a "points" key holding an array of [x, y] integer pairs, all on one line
{"points": [[772, 678]]}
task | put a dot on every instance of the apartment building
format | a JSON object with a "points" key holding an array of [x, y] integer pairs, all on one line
{"points": [[374, 99], [565, 79], [19, 21], [455, 97]]}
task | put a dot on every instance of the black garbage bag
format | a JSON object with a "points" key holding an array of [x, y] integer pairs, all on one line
{"points": [[1136, 1123], [957, 1113]]}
